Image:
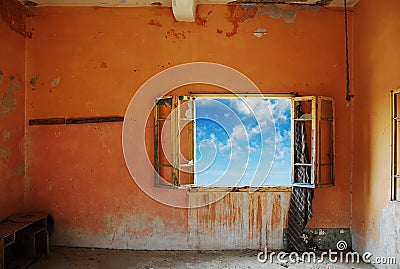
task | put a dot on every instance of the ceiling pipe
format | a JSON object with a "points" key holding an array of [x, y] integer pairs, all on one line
{"points": [[184, 10]]}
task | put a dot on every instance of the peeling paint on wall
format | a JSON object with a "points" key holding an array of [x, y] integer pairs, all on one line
{"points": [[34, 80], [260, 32], [8, 102], [173, 33], [6, 134], [136, 231], [137, 226], [201, 21], [55, 82], [276, 12], [14, 14], [5, 153], [238, 14]]}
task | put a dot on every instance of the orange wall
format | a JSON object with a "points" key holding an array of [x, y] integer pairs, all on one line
{"points": [[91, 61], [376, 65], [12, 112]]}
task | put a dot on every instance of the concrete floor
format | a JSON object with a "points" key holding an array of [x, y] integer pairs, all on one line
{"points": [[63, 258]]}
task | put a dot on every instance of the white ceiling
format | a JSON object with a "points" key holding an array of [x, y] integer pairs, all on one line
{"points": [[132, 3]]}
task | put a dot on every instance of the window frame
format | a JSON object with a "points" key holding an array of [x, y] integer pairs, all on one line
{"points": [[175, 182], [395, 120], [175, 121]]}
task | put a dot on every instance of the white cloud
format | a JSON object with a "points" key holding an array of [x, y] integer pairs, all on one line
{"points": [[238, 133], [212, 137], [255, 130], [224, 147], [281, 152], [279, 108], [252, 149], [200, 133]]}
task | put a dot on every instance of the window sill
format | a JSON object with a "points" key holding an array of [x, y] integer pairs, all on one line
{"points": [[240, 189]]}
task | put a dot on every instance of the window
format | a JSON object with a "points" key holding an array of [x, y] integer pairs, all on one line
{"points": [[243, 141], [395, 178], [316, 115], [227, 140]]}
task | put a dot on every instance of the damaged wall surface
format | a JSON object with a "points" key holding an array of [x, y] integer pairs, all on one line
{"points": [[12, 104], [375, 224], [93, 64]]}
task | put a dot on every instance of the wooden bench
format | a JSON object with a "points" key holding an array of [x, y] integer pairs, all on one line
{"points": [[23, 239]]}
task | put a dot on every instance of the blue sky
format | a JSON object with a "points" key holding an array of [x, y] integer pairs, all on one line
{"points": [[243, 142]]}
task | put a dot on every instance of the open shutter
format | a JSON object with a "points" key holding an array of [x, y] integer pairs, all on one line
{"points": [[313, 141], [163, 142], [325, 141], [174, 141]]}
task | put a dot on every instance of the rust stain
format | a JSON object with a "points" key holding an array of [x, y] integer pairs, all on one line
{"points": [[219, 31], [8, 102], [232, 211], [154, 23], [103, 65], [14, 14], [173, 33], [1, 76], [251, 218], [276, 212], [259, 220], [201, 21], [238, 14], [212, 214]]}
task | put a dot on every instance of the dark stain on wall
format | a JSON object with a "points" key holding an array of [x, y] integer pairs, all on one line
{"points": [[56, 121], [30, 3], [201, 21], [33, 81], [14, 14], [5, 153], [8, 101], [323, 239], [173, 33]]}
